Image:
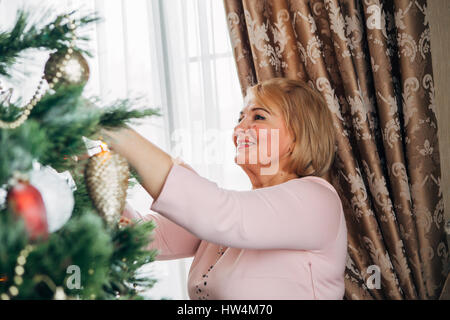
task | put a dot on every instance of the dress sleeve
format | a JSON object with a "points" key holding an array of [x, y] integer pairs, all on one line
{"points": [[171, 240], [299, 214]]}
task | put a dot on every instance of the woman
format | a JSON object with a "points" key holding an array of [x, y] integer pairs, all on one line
{"points": [[286, 238]]}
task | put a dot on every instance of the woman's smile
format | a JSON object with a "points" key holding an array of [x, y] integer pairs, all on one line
{"points": [[245, 144]]}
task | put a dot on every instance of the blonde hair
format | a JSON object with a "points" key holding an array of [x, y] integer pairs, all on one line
{"points": [[307, 118]]}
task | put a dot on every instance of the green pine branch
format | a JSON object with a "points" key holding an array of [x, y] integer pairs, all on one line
{"points": [[56, 35], [109, 258]]}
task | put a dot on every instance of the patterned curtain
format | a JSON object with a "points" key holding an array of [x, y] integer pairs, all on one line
{"points": [[371, 60]]}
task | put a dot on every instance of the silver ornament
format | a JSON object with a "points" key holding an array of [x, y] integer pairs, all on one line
{"points": [[57, 195]]}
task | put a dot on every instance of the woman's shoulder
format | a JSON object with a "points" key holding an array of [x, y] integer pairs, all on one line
{"points": [[311, 180], [315, 189], [319, 180]]}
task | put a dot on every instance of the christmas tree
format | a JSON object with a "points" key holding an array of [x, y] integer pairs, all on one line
{"points": [[61, 231]]}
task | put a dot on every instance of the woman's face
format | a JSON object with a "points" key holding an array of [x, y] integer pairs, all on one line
{"points": [[261, 137]]}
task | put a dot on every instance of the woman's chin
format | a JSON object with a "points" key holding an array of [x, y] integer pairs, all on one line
{"points": [[245, 157], [245, 163]]}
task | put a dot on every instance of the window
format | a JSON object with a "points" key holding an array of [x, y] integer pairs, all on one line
{"points": [[177, 56]]}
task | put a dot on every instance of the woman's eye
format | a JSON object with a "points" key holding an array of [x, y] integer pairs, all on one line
{"points": [[257, 117]]}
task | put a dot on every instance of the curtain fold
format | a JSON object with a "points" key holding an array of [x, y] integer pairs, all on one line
{"points": [[371, 61]]}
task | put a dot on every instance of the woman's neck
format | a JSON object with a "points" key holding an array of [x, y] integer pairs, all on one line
{"points": [[262, 181]]}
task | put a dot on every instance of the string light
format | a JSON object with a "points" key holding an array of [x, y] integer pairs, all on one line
{"points": [[19, 270]]}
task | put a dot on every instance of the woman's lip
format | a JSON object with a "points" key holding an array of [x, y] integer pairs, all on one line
{"points": [[246, 141], [245, 145]]}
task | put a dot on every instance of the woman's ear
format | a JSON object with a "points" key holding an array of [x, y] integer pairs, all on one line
{"points": [[291, 147]]}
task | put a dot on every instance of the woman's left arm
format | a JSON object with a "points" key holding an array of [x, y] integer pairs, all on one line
{"points": [[300, 214], [151, 163]]}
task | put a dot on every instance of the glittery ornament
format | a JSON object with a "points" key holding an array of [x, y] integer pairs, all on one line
{"points": [[107, 175], [57, 195], [69, 67]]}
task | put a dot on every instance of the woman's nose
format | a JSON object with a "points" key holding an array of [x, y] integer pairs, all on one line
{"points": [[244, 124], [236, 133], [244, 128], [238, 128]]}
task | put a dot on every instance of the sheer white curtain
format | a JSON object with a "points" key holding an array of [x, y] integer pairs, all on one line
{"points": [[176, 55]]}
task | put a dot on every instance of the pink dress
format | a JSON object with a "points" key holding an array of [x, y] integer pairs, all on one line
{"points": [[283, 242]]}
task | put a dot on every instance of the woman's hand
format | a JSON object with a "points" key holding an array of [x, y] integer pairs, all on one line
{"points": [[114, 137], [151, 163]]}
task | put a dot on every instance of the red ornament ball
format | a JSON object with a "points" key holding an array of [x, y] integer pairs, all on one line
{"points": [[25, 201]]}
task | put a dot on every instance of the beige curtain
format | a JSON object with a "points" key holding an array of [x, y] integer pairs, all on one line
{"points": [[371, 60]]}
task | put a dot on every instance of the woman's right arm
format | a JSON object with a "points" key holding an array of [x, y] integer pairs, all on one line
{"points": [[171, 240]]}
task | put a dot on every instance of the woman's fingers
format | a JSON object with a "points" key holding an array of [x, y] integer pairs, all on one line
{"points": [[83, 157], [111, 137]]}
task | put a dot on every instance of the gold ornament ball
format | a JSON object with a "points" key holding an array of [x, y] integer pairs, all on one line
{"points": [[67, 67]]}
